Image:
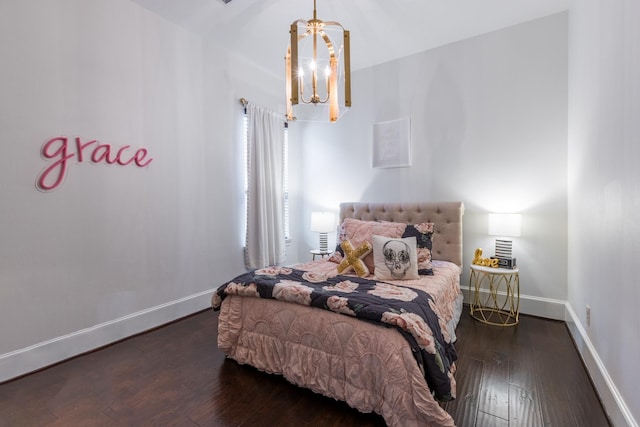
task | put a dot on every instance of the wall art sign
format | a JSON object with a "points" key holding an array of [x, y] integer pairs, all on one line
{"points": [[392, 144], [60, 150]]}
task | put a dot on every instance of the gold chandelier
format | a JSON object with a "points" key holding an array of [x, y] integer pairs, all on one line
{"points": [[318, 47]]}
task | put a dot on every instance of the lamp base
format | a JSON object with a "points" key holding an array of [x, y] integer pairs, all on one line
{"points": [[503, 248], [505, 262], [324, 247]]}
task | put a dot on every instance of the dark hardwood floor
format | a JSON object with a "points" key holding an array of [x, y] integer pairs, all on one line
{"points": [[530, 375]]}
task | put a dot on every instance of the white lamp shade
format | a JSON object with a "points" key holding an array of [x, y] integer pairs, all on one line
{"points": [[322, 222], [506, 225]]}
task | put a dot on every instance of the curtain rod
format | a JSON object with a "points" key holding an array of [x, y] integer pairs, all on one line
{"points": [[244, 103]]}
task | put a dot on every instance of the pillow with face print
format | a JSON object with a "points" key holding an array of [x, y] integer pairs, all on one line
{"points": [[395, 258]]}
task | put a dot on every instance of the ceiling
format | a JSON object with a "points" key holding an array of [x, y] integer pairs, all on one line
{"points": [[381, 30]]}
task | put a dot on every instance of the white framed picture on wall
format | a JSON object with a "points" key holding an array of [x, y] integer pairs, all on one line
{"points": [[392, 144]]}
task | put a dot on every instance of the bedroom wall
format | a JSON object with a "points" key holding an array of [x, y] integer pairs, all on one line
{"points": [[113, 250], [604, 197], [488, 127]]}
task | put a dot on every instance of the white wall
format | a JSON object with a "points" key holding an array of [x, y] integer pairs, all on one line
{"points": [[604, 196], [489, 127], [114, 250]]}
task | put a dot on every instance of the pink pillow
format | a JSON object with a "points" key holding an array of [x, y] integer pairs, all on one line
{"points": [[358, 231]]}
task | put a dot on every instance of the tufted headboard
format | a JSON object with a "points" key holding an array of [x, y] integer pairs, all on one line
{"points": [[447, 216]]}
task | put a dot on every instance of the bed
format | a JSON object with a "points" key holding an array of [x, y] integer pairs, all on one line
{"points": [[370, 366]]}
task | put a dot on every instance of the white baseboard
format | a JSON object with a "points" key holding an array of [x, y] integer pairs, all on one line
{"points": [[536, 306], [38, 356], [613, 403]]}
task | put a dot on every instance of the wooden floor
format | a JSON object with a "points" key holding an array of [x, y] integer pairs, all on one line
{"points": [[530, 375]]}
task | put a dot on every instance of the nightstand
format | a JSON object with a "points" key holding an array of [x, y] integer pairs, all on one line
{"points": [[319, 252], [496, 295]]}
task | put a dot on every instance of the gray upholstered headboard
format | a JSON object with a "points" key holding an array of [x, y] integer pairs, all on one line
{"points": [[447, 216]]}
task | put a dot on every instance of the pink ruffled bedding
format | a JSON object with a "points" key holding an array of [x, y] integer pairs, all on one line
{"points": [[370, 367]]}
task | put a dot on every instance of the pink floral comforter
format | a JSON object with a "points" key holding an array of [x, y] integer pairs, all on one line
{"points": [[411, 311], [370, 366]]}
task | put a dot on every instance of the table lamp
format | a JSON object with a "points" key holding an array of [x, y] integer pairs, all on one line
{"points": [[323, 223], [505, 225]]}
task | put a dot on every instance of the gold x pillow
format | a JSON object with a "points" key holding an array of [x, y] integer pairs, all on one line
{"points": [[353, 258]]}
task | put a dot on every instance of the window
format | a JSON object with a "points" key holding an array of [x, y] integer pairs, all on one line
{"points": [[285, 182]]}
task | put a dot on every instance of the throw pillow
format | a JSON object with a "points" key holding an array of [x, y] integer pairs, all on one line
{"points": [[357, 231], [423, 233], [395, 259], [353, 258]]}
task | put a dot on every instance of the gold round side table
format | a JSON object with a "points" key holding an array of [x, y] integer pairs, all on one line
{"points": [[496, 295]]}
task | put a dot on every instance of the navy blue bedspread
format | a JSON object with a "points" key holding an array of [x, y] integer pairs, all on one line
{"points": [[409, 310]]}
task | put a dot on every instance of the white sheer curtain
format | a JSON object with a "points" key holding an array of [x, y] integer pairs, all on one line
{"points": [[265, 243]]}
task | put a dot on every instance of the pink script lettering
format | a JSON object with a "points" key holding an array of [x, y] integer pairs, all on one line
{"points": [[60, 150]]}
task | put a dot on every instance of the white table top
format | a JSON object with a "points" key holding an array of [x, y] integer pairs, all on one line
{"points": [[495, 270]]}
